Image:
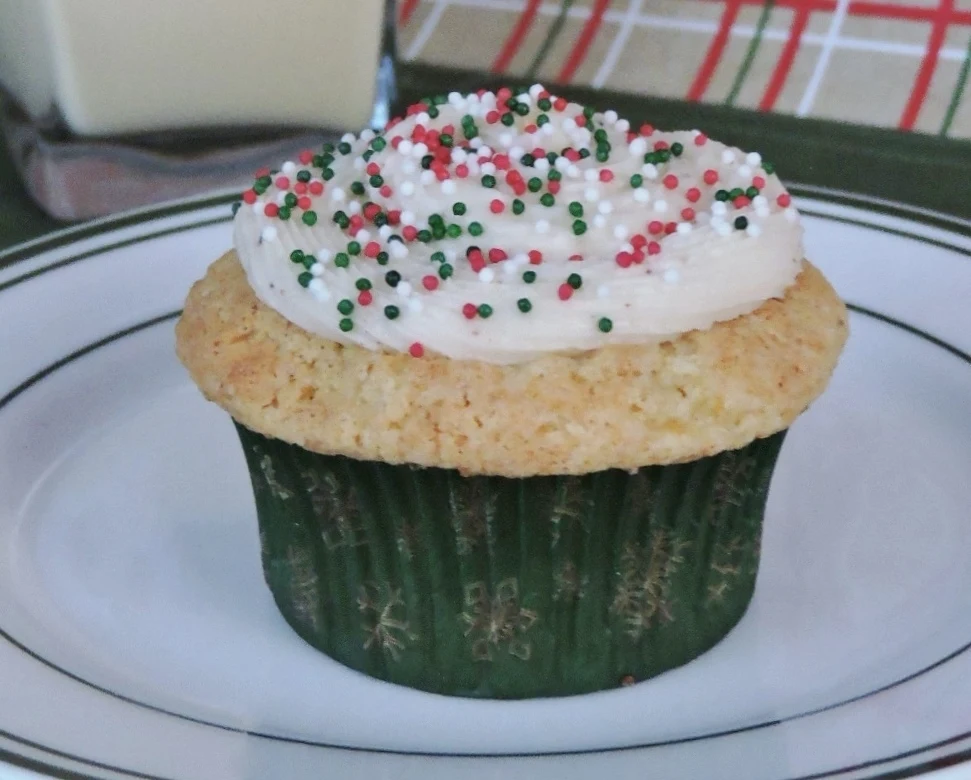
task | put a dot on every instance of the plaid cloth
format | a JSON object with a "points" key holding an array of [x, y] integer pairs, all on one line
{"points": [[887, 63]]}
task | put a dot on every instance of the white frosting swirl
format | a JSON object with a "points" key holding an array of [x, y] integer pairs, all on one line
{"points": [[722, 259]]}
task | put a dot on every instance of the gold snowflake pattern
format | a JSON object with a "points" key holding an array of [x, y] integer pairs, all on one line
{"points": [[567, 583], [335, 507], [407, 540], [497, 622], [733, 481], [384, 625], [266, 479], [569, 506], [728, 566], [304, 587], [472, 506], [642, 596]]}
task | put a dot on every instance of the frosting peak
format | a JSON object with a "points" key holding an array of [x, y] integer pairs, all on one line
{"points": [[501, 228]]}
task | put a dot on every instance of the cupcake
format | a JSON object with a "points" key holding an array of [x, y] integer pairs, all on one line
{"points": [[511, 379]]}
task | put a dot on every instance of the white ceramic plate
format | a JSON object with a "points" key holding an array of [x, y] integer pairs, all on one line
{"points": [[137, 639]]}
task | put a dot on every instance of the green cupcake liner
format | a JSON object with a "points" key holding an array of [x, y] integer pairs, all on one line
{"points": [[509, 588]]}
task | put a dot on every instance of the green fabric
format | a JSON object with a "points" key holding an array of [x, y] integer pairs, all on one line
{"points": [[921, 170]]}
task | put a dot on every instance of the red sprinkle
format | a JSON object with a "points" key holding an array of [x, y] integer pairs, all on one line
{"points": [[693, 195], [624, 259], [271, 209], [670, 181], [371, 249], [503, 94], [553, 187], [653, 248], [660, 145], [282, 182], [449, 130], [639, 257], [462, 170], [394, 217], [575, 258], [410, 232], [606, 175], [501, 161], [470, 310], [365, 298], [396, 141], [671, 227], [300, 188], [492, 117], [655, 227], [535, 257], [496, 255], [687, 214], [304, 202], [647, 130], [701, 139], [530, 129], [711, 176], [386, 191], [316, 188], [559, 104], [565, 292], [476, 261], [581, 120], [306, 157], [430, 282], [355, 223], [373, 169], [261, 172], [572, 155], [784, 200], [758, 182], [416, 350], [741, 202], [249, 197], [497, 206], [442, 174], [638, 241]]}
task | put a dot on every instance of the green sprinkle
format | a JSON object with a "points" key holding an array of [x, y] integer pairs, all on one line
{"points": [[547, 199], [354, 248], [467, 120], [259, 189], [508, 119], [326, 159], [588, 112], [438, 232], [358, 188], [752, 192], [309, 261], [544, 104], [453, 231], [392, 278], [445, 271], [328, 147], [382, 258], [768, 167], [426, 162], [575, 281], [284, 212], [475, 229], [433, 112], [236, 207], [346, 306], [378, 144], [741, 223], [529, 277], [381, 219], [303, 176], [542, 119], [344, 148], [651, 158], [446, 140], [485, 310], [346, 324], [511, 104], [438, 257], [391, 312], [605, 324], [376, 181], [367, 155], [579, 227], [489, 181], [305, 278], [363, 284], [518, 207], [297, 256], [663, 155], [584, 154], [554, 175], [309, 218], [524, 305], [528, 160], [436, 219], [327, 174], [736, 193], [458, 209], [264, 181], [636, 180], [318, 161], [576, 209], [677, 149], [600, 136], [424, 236], [341, 260], [534, 184], [721, 195], [522, 109]]}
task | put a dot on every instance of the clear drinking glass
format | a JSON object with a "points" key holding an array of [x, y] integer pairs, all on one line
{"points": [[113, 105]]}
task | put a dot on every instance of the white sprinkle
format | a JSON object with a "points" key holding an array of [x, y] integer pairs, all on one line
{"points": [[367, 135], [473, 166], [268, 233], [603, 291], [385, 231], [722, 228], [591, 175], [348, 138], [718, 208], [448, 187], [289, 168], [628, 247], [684, 228], [419, 151], [759, 201], [316, 269], [542, 226], [753, 159], [354, 207], [405, 147], [485, 151], [791, 214], [363, 235], [422, 118], [641, 195], [622, 125], [542, 165], [573, 172], [455, 98], [516, 153], [743, 171], [475, 110], [621, 232], [605, 207], [319, 290], [569, 124], [509, 267], [408, 217], [451, 255], [487, 275], [407, 188], [753, 230], [505, 140], [671, 276], [337, 194], [547, 129], [408, 167], [524, 97], [610, 117], [562, 163], [324, 255], [476, 143], [403, 289], [415, 305], [535, 90], [762, 212], [398, 249], [728, 157], [281, 198], [459, 155], [638, 147], [359, 164], [488, 168], [660, 206], [258, 207], [649, 170], [591, 194], [599, 220]]}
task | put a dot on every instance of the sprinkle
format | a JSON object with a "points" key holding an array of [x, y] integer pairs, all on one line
{"points": [[660, 206], [497, 206], [605, 207], [345, 306], [754, 159], [319, 290], [728, 157], [641, 195], [346, 324], [487, 275], [591, 194], [784, 200], [392, 312], [524, 305], [693, 195], [529, 277], [475, 229], [650, 171], [416, 350], [740, 223], [605, 324], [753, 230], [670, 181], [590, 174], [719, 208], [268, 233], [671, 276], [484, 310], [743, 172], [564, 292], [403, 289], [684, 228], [445, 270], [620, 232], [599, 220], [579, 227], [603, 291], [542, 226]]}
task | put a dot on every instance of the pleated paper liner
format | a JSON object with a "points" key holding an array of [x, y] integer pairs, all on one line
{"points": [[509, 588]]}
